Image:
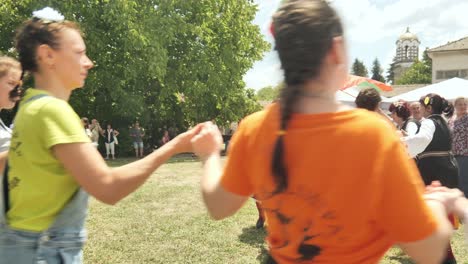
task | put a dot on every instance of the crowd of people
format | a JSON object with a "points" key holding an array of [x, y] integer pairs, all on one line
{"points": [[335, 184]]}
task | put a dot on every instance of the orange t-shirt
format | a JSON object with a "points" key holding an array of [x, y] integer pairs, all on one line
{"points": [[352, 190]]}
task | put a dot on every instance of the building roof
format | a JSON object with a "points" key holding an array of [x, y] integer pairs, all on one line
{"points": [[461, 44], [408, 36], [400, 89]]}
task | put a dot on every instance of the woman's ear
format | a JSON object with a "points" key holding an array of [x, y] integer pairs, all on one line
{"points": [[337, 53], [46, 56]]}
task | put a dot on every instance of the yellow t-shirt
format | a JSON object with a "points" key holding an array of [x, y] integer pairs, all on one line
{"points": [[39, 185]]}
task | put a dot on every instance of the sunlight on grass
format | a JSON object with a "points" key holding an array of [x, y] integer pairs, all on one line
{"points": [[165, 222]]}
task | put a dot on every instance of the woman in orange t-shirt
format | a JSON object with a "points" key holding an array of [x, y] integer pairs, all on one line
{"points": [[335, 187]]}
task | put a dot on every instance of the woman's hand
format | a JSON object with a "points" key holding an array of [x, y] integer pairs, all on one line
{"points": [[182, 142], [453, 199], [208, 142]]}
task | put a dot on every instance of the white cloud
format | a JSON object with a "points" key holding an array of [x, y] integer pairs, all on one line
{"points": [[373, 26]]}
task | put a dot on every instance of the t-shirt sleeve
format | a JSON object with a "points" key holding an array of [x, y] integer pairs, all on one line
{"points": [[61, 125], [236, 178], [402, 211]]}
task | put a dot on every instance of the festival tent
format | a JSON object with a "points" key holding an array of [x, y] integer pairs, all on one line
{"points": [[449, 89]]}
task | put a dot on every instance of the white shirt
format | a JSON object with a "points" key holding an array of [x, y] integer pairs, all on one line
{"points": [[418, 143], [5, 137], [411, 128]]}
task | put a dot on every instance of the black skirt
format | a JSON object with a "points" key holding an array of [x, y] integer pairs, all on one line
{"points": [[443, 169]]}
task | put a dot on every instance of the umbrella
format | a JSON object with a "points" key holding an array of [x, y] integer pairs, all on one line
{"points": [[363, 82]]}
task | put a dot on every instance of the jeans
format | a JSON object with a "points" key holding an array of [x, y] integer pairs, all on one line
{"points": [[61, 243]]}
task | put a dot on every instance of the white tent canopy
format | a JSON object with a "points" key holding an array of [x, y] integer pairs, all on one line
{"points": [[449, 89]]}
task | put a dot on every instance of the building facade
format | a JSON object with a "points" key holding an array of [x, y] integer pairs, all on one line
{"points": [[450, 60]]}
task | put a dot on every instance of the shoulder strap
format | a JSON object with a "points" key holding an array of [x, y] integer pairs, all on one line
{"points": [[35, 97], [6, 196]]}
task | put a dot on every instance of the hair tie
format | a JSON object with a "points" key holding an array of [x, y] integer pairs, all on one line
{"points": [[281, 133]]}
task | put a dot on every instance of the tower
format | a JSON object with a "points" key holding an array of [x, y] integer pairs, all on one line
{"points": [[407, 52]]}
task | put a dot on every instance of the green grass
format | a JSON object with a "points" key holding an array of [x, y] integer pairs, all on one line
{"points": [[165, 222]]}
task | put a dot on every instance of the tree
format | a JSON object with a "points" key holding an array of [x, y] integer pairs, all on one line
{"points": [[419, 73], [166, 63], [391, 71], [377, 71], [269, 93], [359, 69]]}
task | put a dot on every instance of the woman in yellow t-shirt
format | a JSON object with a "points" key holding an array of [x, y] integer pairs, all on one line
{"points": [[334, 185], [52, 164]]}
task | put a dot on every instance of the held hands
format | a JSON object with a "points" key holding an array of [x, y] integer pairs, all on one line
{"points": [[208, 142], [453, 199], [182, 142]]}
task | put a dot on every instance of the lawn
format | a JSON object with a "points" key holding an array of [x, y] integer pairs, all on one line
{"points": [[165, 222]]}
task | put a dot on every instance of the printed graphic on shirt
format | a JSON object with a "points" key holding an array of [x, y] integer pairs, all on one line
{"points": [[320, 223]]}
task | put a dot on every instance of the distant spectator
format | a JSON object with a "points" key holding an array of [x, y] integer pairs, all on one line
{"points": [[96, 130], [87, 131], [110, 140], [137, 133], [165, 137], [459, 126], [415, 109]]}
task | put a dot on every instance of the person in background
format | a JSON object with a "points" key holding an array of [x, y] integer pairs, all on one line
{"points": [[400, 114], [87, 131], [459, 126], [52, 165], [137, 133], [286, 156], [165, 137], [110, 135], [10, 81], [96, 130], [370, 100], [416, 111], [431, 147]]}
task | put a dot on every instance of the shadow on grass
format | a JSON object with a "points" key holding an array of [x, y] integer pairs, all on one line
{"points": [[255, 237]]}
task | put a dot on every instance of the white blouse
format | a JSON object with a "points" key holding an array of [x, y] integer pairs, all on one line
{"points": [[418, 143], [5, 137]]}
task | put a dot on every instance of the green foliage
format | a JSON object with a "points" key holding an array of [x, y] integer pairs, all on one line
{"points": [[269, 93], [167, 63], [391, 72], [377, 71], [419, 73], [359, 69]]}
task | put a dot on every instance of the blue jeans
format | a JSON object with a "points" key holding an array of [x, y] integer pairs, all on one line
{"points": [[61, 243]]}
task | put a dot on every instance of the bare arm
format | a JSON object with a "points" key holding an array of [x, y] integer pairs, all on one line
{"points": [[433, 248], [219, 202], [110, 185], [116, 133], [3, 159]]}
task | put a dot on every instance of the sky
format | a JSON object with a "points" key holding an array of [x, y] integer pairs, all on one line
{"points": [[371, 29]]}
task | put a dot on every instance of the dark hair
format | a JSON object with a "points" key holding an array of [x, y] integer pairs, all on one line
{"points": [[438, 104], [401, 109], [368, 98], [304, 32], [85, 121], [35, 32]]}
